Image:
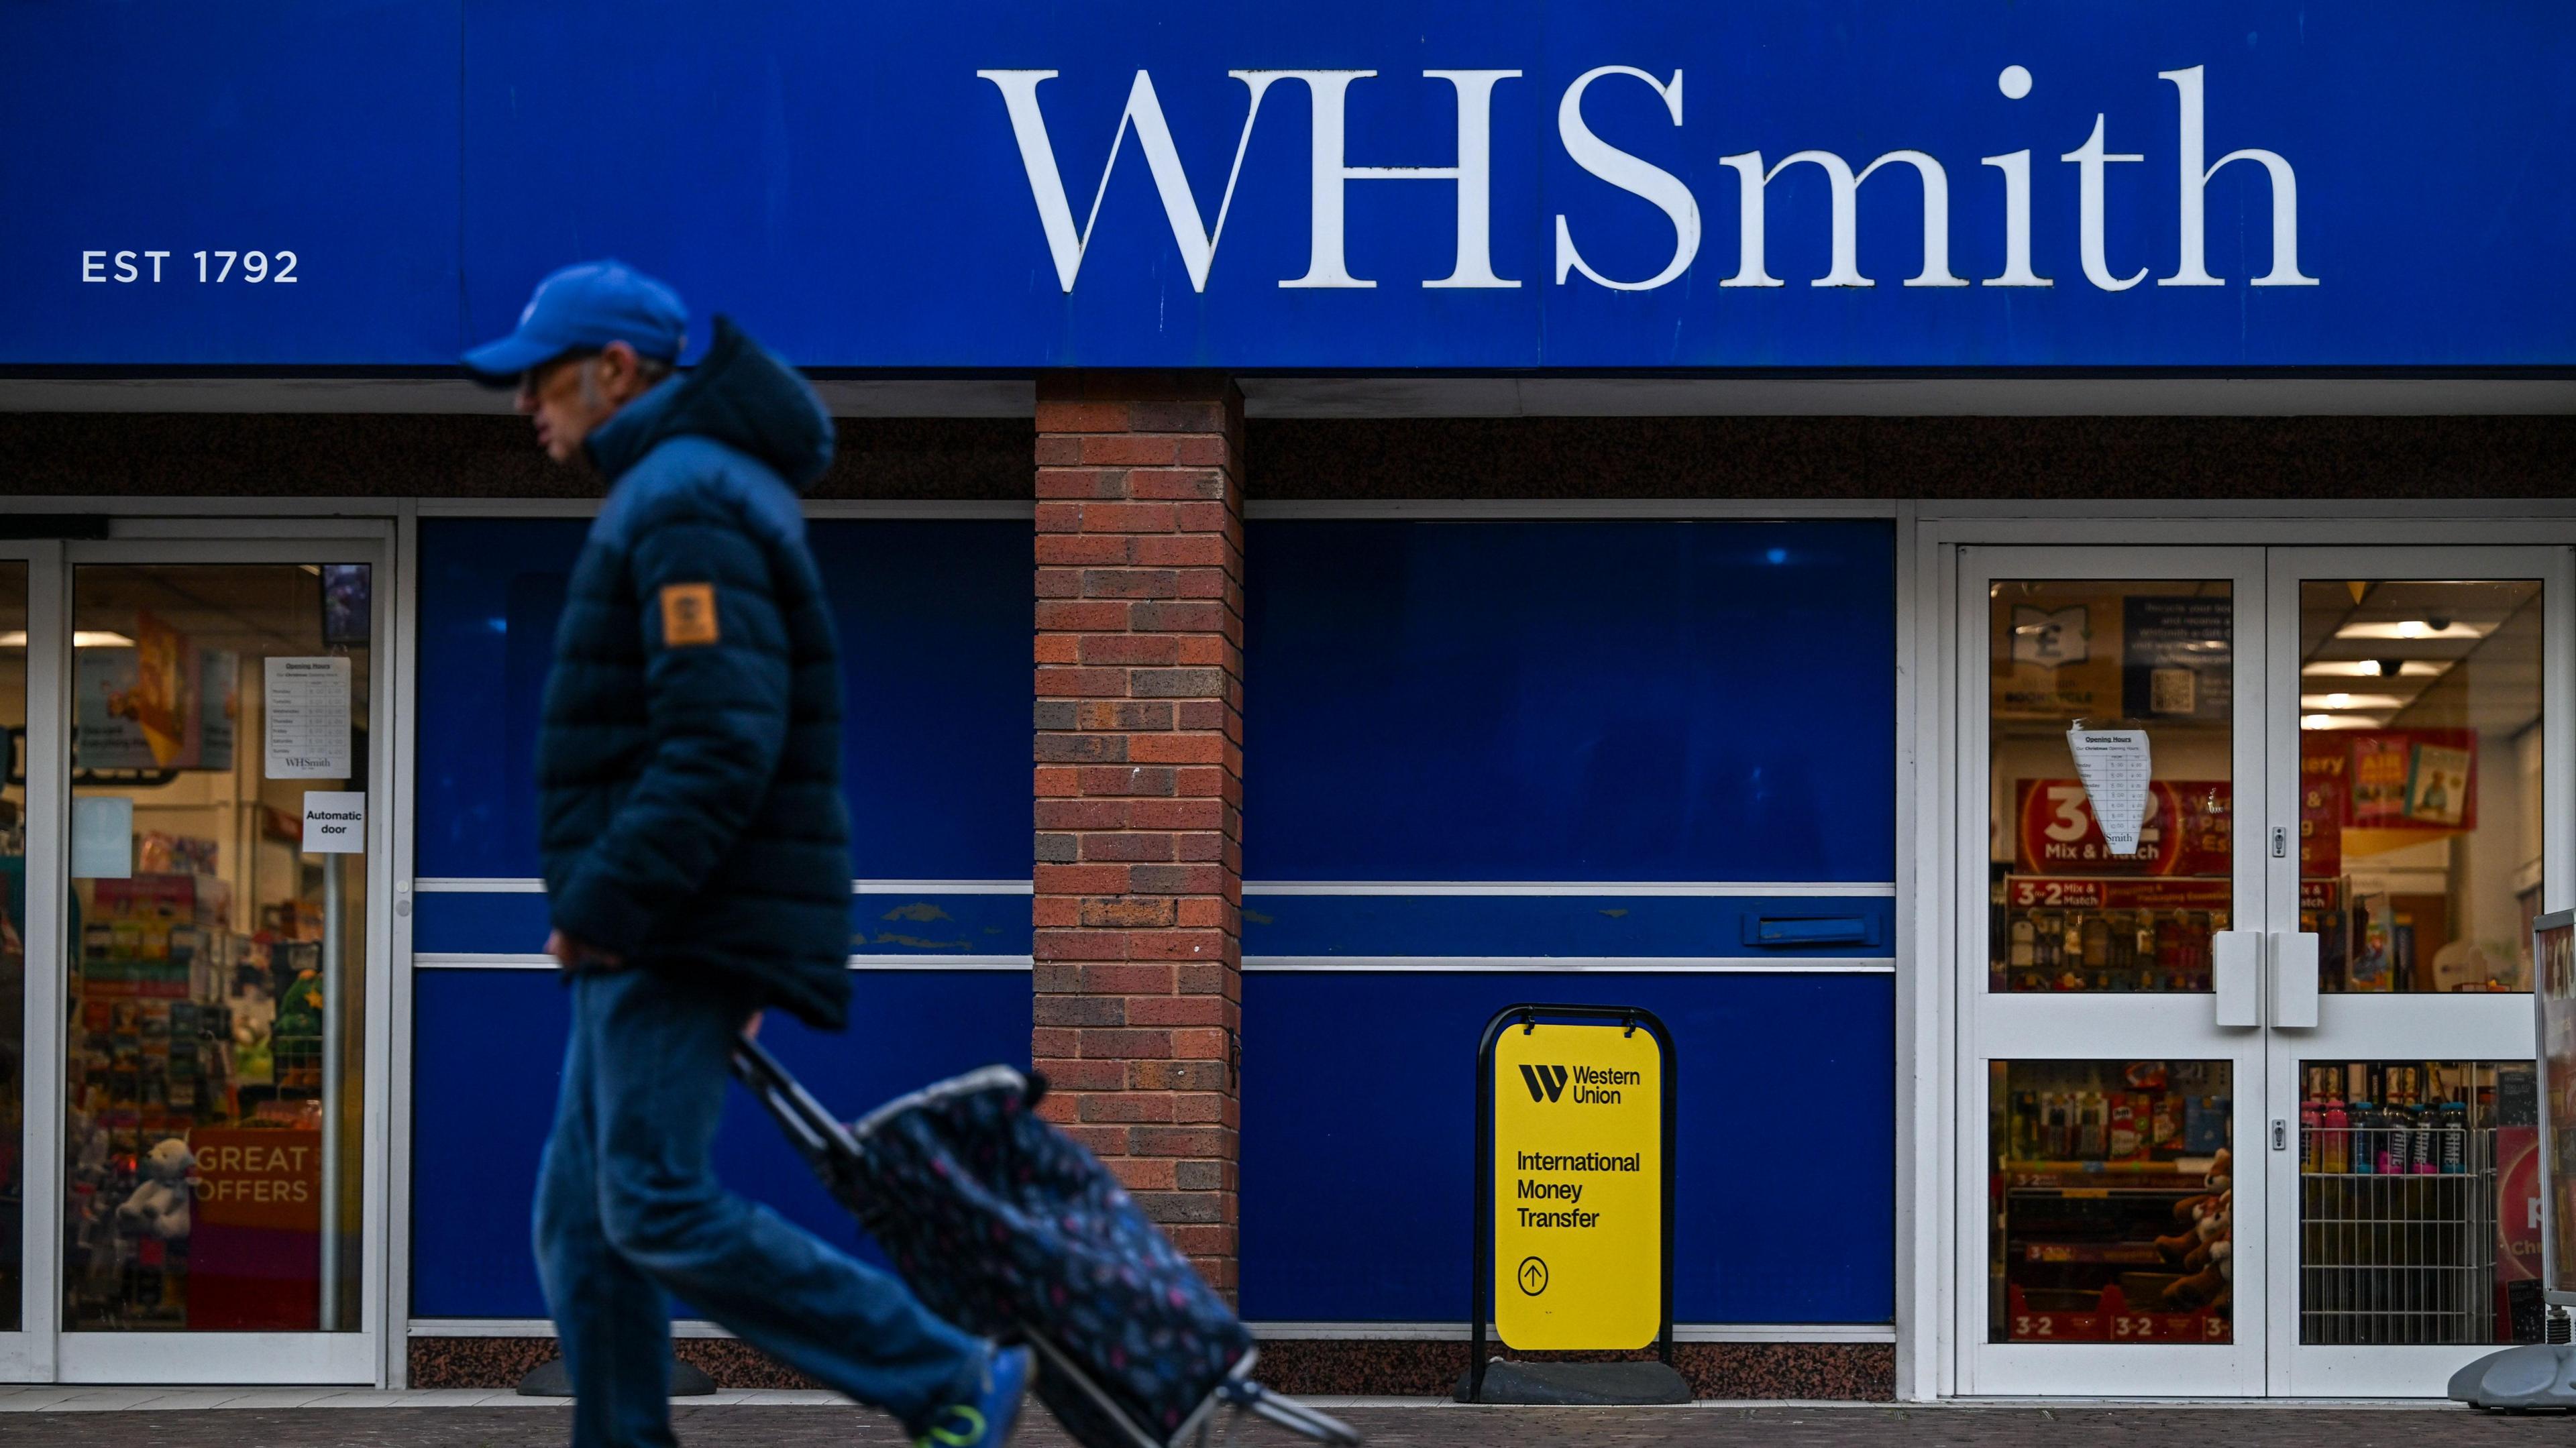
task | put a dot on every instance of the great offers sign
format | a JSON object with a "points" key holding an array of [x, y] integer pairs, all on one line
{"points": [[1875, 185]]}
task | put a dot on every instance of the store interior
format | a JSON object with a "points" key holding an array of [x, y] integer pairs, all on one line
{"points": [[212, 1072], [2419, 841], [2420, 753]]}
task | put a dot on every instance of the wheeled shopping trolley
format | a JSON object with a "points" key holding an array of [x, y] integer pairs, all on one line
{"points": [[1009, 1229]]}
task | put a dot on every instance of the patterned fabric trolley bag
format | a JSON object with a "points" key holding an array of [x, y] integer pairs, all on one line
{"points": [[1009, 1229]]}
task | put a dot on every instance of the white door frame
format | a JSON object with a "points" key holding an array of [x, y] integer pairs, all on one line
{"points": [[2093, 1026], [1931, 533], [2371, 1027], [46, 1352], [27, 1355]]}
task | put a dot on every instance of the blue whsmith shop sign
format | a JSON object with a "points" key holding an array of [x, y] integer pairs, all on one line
{"points": [[1371, 185]]}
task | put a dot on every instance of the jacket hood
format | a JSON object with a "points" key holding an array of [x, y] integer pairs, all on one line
{"points": [[739, 394]]}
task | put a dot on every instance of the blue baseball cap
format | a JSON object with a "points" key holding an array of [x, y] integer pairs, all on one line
{"points": [[584, 307]]}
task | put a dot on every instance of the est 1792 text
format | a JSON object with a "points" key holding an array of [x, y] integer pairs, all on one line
{"points": [[211, 266]]}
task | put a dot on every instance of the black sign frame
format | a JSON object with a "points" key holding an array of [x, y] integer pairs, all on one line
{"points": [[1527, 1016]]}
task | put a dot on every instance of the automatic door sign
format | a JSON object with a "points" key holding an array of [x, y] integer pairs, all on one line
{"points": [[1578, 1187]]}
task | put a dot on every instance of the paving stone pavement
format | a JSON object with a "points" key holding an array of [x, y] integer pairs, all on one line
{"points": [[1396, 1427]]}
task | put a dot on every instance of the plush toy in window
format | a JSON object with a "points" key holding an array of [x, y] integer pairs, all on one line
{"points": [[159, 1204], [2205, 1248]]}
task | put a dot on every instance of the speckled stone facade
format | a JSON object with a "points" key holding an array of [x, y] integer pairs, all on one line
{"points": [[2052, 458], [1810, 1370], [366, 456], [305, 455], [499, 1362], [1864, 1372]]}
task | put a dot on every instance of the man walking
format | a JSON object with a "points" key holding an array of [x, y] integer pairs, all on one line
{"points": [[697, 868]]}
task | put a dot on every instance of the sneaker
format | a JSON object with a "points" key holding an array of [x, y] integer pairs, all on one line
{"points": [[988, 1420]]}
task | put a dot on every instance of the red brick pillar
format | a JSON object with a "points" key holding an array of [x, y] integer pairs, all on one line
{"points": [[1140, 786]]}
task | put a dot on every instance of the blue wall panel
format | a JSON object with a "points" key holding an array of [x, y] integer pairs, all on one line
{"points": [[1359, 1123], [1358, 927], [488, 1051], [1570, 701], [934, 633], [490, 593], [929, 923], [934, 622]]}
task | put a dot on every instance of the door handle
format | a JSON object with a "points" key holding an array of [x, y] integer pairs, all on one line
{"points": [[2236, 976], [2294, 978]]}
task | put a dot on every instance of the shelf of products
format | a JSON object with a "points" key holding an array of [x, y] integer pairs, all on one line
{"points": [[2400, 1236], [2111, 1201], [188, 1040]]}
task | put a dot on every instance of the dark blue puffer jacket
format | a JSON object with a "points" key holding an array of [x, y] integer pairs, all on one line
{"points": [[689, 758]]}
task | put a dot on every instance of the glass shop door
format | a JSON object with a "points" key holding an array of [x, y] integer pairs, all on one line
{"points": [[2246, 1033], [2421, 789], [219, 963], [2111, 769]]}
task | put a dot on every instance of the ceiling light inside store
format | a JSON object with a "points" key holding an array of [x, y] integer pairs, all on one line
{"points": [[2349, 701], [87, 638], [2417, 630], [2372, 668], [2317, 721]]}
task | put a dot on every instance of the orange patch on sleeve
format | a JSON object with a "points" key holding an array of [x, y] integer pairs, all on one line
{"points": [[688, 615]]}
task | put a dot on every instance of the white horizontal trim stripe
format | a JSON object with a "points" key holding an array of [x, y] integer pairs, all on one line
{"points": [[1809, 890], [533, 1327], [468, 960], [1869, 889], [1682, 1331], [942, 962], [1711, 964], [1852, 889], [1570, 510], [511, 885], [1275, 1331]]}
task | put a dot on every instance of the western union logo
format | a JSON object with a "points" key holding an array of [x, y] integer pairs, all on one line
{"points": [[1591, 1085], [1545, 1082]]}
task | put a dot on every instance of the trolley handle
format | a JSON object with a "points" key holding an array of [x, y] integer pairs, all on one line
{"points": [[814, 1130]]}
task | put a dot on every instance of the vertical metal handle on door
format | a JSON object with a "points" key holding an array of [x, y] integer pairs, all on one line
{"points": [[2294, 978], [2236, 976]]}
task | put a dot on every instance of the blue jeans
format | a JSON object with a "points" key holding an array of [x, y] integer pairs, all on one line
{"points": [[628, 1209]]}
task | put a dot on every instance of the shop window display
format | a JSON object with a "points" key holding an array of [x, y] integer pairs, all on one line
{"points": [[2420, 782], [2076, 908], [2113, 1202], [13, 939], [212, 1070], [2419, 1202]]}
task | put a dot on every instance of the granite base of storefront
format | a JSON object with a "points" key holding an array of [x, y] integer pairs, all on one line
{"points": [[1860, 1372], [1864, 1372], [499, 1362]]}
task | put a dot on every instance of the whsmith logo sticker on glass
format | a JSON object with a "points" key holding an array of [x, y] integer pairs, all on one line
{"points": [[1578, 1187]]}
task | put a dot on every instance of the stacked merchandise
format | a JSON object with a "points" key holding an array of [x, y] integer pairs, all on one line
{"points": [[171, 1015], [2399, 1221], [2113, 1201], [2109, 935]]}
